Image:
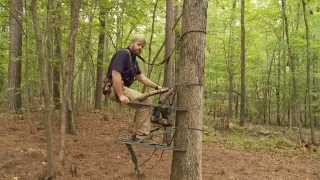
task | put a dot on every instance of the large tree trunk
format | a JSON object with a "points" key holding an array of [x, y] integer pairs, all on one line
{"points": [[100, 59], [186, 164], [45, 88], [309, 99], [67, 102], [243, 67], [15, 53]]}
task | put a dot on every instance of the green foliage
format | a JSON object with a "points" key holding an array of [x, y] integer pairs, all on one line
{"points": [[254, 138], [4, 35]]}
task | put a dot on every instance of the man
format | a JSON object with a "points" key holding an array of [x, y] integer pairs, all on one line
{"points": [[122, 72]]}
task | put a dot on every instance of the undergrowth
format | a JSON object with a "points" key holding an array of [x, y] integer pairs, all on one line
{"points": [[259, 138]]}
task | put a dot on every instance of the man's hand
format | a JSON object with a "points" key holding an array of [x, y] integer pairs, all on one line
{"points": [[158, 87], [124, 99]]}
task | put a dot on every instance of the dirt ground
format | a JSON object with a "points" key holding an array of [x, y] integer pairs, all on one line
{"points": [[95, 153]]}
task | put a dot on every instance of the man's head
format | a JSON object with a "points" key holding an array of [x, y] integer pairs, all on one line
{"points": [[137, 43]]}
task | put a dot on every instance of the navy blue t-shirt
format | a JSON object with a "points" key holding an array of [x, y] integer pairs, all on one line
{"points": [[128, 68]]}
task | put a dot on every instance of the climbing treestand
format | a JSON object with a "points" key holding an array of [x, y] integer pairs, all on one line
{"points": [[166, 131]]}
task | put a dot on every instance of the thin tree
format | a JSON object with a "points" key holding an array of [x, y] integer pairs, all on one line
{"points": [[151, 38], [57, 54], [15, 55], [293, 98], [229, 60], [67, 104], [100, 57], [169, 68], [169, 46], [45, 88], [186, 164], [309, 99], [243, 66]]}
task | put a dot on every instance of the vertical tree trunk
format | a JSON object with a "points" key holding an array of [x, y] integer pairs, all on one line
{"points": [[151, 38], [67, 104], [86, 59], [309, 99], [50, 41], [243, 67], [15, 55], [27, 62], [268, 87], [292, 65], [169, 68], [48, 104], [100, 59], [57, 57], [278, 87], [169, 77], [186, 164], [230, 67]]}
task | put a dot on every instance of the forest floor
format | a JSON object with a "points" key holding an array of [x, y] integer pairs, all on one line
{"points": [[95, 152]]}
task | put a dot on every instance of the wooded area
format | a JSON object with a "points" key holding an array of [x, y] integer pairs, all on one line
{"points": [[232, 63]]}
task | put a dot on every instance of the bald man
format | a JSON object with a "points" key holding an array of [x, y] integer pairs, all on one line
{"points": [[122, 72]]}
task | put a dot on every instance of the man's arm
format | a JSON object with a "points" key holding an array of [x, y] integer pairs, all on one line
{"points": [[118, 86], [146, 81]]}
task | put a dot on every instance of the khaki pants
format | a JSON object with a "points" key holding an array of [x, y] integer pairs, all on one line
{"points": [[141, 123]]}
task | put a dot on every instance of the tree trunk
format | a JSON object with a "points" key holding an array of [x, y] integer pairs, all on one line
{"points": [[57, 56], [67, 104], [15, 55], [86, 59], [230, 67], [169, 66], [44, 76], [292, 65], [309, 99], [27, 62], [151, 37], [100, 59], [243, 67], [169, 77], [186, 164]]}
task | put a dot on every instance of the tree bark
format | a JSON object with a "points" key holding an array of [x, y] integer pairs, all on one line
{"points": [[15, 55], [309, 99], [243, 67], [45, 88], [67, 104], [57, 57], [169, 75], [278, 87], [100, 59], [186, 164], [292, 65], [230, 67]]}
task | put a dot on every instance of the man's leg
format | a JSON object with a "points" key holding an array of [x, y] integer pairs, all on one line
{"points": [[142, 124]]}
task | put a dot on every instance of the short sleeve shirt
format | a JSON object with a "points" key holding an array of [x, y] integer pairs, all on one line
{"points": [[126, 66]]}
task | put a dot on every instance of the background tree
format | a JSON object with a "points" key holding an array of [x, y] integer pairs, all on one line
{"points": [[15, 56], [67, 102], [243, 66], [46, 87], [100, 57]]}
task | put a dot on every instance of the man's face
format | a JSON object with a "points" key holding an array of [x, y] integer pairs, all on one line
{"points": [[136, 47]]}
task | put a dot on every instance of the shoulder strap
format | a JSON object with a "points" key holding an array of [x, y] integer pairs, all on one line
{"points": [[130, 58]]}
